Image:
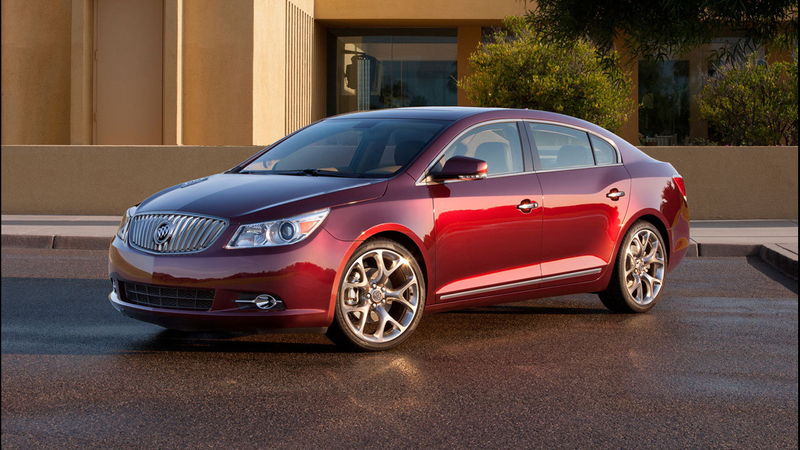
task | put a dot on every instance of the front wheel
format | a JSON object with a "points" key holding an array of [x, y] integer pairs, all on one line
{"points": [[639, 271], [381, 297]]}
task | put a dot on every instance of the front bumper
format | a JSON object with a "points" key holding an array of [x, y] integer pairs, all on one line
{"points": [[303, 276]]}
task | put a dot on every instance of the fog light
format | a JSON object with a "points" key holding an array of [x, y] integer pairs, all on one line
{"points": [[263, 302]]}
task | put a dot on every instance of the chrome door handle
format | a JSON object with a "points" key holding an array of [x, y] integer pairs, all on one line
{"points": [[527, 206], [615, 194]]}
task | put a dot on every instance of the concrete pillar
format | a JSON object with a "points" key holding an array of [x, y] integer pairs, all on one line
{"points": [[173, 72], [269, 71], [35, 72], [247, 70], [630, 129], [468, 39], [81, 109], [218, 72]]}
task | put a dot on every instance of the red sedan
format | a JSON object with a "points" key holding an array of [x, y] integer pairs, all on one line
{"points": [[357, 224]]}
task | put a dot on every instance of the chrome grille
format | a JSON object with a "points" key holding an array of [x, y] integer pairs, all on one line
{"points": [[168, 297], [189, 233]]}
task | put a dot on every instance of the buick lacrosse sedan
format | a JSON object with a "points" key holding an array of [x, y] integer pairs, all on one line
{"points": [[358, 224]]}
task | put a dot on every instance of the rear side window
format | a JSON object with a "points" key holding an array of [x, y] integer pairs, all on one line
{"points": [[604, 153], [498, 144], [561, 147]]}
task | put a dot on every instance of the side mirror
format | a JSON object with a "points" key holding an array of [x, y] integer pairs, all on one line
{"points": [[461, 168]]}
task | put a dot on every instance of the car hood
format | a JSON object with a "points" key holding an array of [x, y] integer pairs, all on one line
{"points": [[254, 197]]}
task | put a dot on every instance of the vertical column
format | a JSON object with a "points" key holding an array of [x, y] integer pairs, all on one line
{"points": [[630, 129], [468, 39], [269, 70], [218, 71], [319, 74], [173, 72], [698, 70], [81, 76]]}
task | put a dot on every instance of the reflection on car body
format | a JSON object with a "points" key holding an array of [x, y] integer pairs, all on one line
{"points": [[357, 224]]}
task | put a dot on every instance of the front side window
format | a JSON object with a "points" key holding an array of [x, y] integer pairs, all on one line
{"points": [[359, 148], [561, 147], [498, 144]]}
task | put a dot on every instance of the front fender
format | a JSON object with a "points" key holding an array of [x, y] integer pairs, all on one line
{"points": [[405, 208]]}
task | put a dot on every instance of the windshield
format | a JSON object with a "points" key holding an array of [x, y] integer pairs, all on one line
{"points": [[362, 148]]}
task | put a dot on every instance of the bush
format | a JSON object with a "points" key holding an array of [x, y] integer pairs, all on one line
{"points": [[518, 70], [752, 103]]}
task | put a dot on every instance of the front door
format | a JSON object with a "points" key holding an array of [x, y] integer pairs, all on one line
{"points": [[487, 240]]}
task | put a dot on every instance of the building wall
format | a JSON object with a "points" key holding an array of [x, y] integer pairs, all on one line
{"points": [[74, 179], [269, 70], [36, 68], [235, 72], [299, 54], [417, 12], [218, 72], [721, 182]]}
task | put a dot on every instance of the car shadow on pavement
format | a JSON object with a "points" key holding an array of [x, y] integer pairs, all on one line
{"points": [[773, 273], [535, 310], [229, 342]]}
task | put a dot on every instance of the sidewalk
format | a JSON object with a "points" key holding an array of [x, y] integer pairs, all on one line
{"points": [[775, 241]]}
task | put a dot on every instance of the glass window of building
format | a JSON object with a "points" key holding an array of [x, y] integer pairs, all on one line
{"points": [[391, 68], [664, 102]]}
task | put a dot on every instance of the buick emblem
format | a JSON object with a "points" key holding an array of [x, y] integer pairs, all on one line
{"points": [[163, 232]]}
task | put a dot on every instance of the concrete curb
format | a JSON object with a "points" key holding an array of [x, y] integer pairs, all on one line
{"points": [[56, 242], [728, 249], [779, 258]]}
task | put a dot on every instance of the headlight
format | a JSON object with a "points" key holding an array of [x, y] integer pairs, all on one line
{"points": [[122, 231], [277, 232]]}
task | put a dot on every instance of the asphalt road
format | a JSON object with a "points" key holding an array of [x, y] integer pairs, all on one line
{"points": [[714, 365]]}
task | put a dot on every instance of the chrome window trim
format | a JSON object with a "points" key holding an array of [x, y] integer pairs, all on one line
{"points": [[522, 283], [578, 168], [421, 179], [585, 130], [180, 213]]}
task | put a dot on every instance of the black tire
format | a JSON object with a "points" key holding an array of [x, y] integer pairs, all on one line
{"points": [[617, 297], [343, 331]]}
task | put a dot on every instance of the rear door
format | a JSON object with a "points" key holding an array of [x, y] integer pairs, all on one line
{"points": [[585, 192], [488, 235]]}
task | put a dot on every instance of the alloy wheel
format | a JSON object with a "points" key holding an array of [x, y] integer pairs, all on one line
{"points": [[644, 267], [380, 296]]}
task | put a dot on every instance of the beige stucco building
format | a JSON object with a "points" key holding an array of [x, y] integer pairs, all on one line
{"points": [[246, 72], [145, 85], [205, 72]]}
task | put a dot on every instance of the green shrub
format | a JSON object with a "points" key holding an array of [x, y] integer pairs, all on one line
{"points": [[752, 103], [518, 70]]}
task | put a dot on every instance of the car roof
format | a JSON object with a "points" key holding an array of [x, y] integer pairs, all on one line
{"points": [[473, 114], [424, 112]]}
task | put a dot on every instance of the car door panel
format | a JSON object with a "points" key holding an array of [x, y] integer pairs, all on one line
{"points": [[580, 223], [482, 239]]}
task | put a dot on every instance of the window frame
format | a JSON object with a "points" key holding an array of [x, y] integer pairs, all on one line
{"points": [[527, 167]]}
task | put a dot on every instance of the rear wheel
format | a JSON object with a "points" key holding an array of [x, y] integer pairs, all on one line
{"points": [[639, 271], [381, 297]]}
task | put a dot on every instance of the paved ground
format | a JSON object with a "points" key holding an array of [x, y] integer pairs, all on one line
{"points": [[714, 365]]}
